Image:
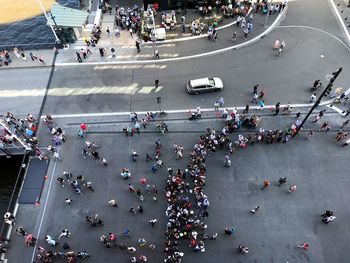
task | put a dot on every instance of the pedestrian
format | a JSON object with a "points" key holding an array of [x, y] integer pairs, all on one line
{"points": [[345, 123], [56, 155], [51, 241], [325, 126], [154, 168], [282, 180], [108, 31], [292, 188], [304, 246], [84, 153], [262, 93], [130, 31], [41, 60], [313, 98], [83, 127], [245, 31], [82, 51], [234, 37], [78, 57], [262, 104], [65, 233], [132, 211], [266, 184], [89, 186], [328, 219], [113, 203], [245, 111], [104, 161], [131, 188], [60, 180], [143, 180], [153, 222], [95, 155], [126, 233], [102, 51], [216, 106], [113, 53], [32, 56], [20, 231], [140, 209], [137, 127], [277, 108], [156, 54], [297, 115], [346, 143], [255, 98], [69, 201], [310, 134], [137, 44], [221, 102], [255, 209]]}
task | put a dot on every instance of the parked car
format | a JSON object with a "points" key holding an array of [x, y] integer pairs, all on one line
{"points": [[197, 86]]}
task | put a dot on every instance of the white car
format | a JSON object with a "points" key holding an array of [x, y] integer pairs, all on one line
{"points": [[197, 86]]}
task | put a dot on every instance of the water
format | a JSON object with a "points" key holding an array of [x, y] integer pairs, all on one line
{"points": [[8, 175], [31, 33]]}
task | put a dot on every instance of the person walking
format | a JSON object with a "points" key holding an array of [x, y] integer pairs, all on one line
{"points": [[137, 44], [255, 98], [65, 233], [277, 108], [69, 201], [344, 124], [255, 209], [113, 203], [216, 106], [245, 111], [325, 126], [156, 54], [78, 57], [221, 102], [113, 53], [234, 37], [266, 184]]}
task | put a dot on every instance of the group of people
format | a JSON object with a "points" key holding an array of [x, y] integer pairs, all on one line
{"points": [[5, 57], [128, 19]]}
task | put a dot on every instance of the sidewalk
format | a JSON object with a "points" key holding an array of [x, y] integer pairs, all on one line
{"points": [[126, 50]]}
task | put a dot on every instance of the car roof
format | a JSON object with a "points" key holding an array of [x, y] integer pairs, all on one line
{"points": [[200, 82]]}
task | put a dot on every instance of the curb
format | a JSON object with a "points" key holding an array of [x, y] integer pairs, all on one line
{"points": [[255, 39]]}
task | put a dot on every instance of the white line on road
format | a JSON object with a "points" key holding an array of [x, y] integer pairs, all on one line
{"points": [[45, 205], [318, 29], [127, 113]]}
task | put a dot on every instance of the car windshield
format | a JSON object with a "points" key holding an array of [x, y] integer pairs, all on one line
{"points": [[211, 82]]}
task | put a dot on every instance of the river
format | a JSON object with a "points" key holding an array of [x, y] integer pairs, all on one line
{"points": [[31, 33]]}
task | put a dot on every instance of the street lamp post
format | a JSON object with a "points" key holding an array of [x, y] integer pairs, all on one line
{"points": [[326, 90], [49, 22]]}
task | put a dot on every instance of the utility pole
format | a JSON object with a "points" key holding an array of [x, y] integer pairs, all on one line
{"points": [[326, 91], [48, 21]]}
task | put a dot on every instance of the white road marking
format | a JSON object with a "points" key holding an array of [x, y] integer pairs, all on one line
{"points": [[318, 29], [127, 113], [45, 205]]}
